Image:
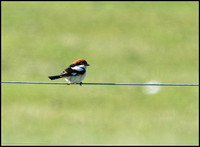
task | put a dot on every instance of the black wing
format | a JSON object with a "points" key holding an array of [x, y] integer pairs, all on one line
{"points": [[72, 72]]}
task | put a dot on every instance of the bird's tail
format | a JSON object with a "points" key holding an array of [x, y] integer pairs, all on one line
{"points": [[54, 77]]}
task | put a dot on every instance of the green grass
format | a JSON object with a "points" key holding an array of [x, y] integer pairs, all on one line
{"points": [[132, 42]]}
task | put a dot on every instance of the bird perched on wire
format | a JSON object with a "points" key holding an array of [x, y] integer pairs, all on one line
{"points": [[75, 73]]}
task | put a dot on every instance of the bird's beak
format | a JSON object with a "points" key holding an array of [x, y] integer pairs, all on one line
{"points": [[87, 64]]}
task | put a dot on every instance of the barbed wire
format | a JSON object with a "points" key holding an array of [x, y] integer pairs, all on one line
{"points": [[130, 84]]}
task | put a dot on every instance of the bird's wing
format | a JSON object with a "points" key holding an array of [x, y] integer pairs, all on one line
{"points": [[72, 71]]}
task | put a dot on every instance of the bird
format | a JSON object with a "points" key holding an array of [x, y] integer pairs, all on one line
{"points": [[75, 73]]}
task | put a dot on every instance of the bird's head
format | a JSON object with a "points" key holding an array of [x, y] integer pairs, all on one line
{"points": [[80, 62]]}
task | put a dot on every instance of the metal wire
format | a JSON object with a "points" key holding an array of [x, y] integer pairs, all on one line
{"points": [[130, 84]]}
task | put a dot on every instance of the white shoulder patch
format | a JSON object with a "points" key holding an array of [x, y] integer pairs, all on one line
{"points": [[78, 68]]}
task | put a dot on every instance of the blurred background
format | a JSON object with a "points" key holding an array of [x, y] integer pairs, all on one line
{"points": [[124, 42]]}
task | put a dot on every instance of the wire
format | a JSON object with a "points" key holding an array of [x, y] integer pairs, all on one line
{"points": [[130, 84]]}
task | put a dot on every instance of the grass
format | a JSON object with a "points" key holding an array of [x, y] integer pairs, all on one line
{"points": [[132, 42]]}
